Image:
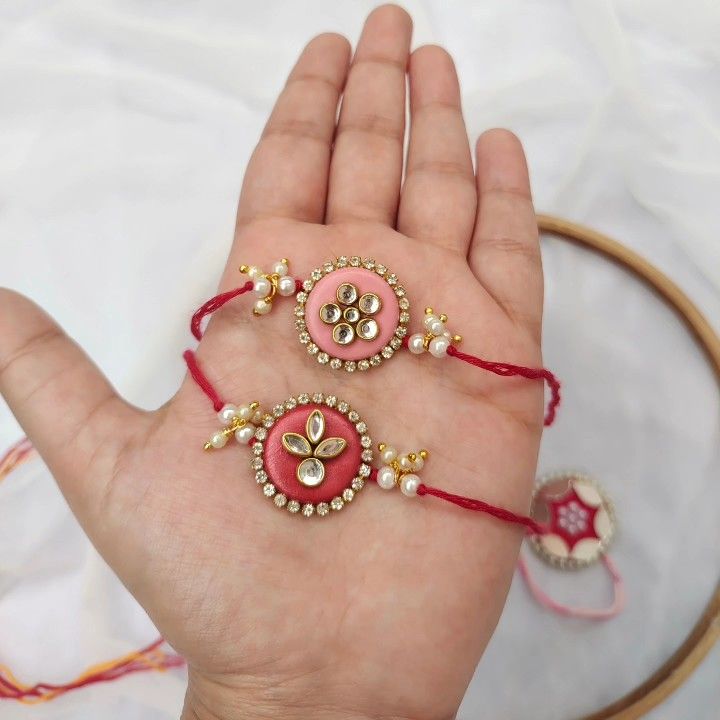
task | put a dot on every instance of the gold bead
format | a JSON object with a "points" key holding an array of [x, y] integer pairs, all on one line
{"points": [[457, 338], [244, 269], [207, 446], [443, 318], [424, 454], [412, 457], [381, 446], [428, 311], [285, 261]]}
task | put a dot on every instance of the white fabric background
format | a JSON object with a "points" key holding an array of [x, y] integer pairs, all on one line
{"points": [[124, 130]]}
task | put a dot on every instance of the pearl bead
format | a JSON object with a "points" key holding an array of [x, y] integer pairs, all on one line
{"points": [[429, 320], [280, 268], [405, 463], [244, 412], [262, 286], [253, 271], [227, 413], [386, 478], [388, 454], [418, 463], [439, 346], [245, 434], [437, 327], [286, 286], [218, 440], [262, 307], [416, 343], [257, 417], [409, 484]]}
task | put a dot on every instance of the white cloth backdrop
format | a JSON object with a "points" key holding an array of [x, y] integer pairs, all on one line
{"points": [[124, 129]]}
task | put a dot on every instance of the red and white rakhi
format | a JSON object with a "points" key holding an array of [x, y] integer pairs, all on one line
{"points": [[578, 521]]}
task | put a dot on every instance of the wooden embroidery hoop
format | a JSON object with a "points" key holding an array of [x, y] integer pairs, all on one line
{"points": [[680, 665]]}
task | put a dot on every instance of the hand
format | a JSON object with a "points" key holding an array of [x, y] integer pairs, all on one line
{"points": [[384, 610]]}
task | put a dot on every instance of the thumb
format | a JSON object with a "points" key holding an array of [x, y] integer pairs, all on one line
{"points": [[69, 410]]}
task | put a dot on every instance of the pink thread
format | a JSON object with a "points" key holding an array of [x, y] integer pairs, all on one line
{"points": [[508, 370], [545, 600], [202, 382], [213, 304]]}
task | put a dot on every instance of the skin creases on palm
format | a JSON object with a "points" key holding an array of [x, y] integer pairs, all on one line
{"points": [[387, 562], [385, 609]]}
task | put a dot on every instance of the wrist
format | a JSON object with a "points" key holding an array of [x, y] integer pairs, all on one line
{"points": [[211, 700]]}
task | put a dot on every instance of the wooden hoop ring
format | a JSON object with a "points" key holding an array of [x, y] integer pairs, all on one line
{"points": [[680, 665]]}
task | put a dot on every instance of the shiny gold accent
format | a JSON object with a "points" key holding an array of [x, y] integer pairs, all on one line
{"points": [[274, 279], [369, 298], [322, 452], [302, 479], [343, 327], [428, 336], [315, 427], [349, 286], [234, 425], [367, 328], [313, 448], [325, 309], [296, 445], [399, 471]]}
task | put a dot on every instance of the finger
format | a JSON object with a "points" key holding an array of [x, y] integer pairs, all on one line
{"points": [[505, 250], [366, 166], [68, 409], [439, 198], [288, 172]]}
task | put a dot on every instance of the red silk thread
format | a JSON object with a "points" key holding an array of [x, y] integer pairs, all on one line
{"points": [[215, 303], [201, 381], [510, 370], [498, 368], [467, 503]]}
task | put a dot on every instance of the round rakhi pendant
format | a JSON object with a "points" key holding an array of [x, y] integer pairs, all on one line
{"points": [[312, 454], [579, 516], [352, 313]]}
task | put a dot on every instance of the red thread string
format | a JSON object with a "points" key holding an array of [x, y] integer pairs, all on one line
{"points": [[509, 370], [534, 528], [467, 503], [213, 304], [507, 516], [202, 382]]}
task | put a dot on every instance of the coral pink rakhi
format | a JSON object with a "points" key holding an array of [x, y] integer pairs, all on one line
{"points": [[353, 314]]}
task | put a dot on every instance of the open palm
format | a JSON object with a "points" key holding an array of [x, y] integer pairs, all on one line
{"points": [[385, 609]]}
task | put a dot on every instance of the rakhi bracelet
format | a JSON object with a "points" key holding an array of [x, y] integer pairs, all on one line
{"points": [[353, 313], [313, 453]]}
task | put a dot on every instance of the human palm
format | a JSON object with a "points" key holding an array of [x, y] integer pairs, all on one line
{"points": [[384, 610]]}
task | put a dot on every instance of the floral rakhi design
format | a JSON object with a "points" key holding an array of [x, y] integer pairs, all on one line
{"points": [[313, 449]]}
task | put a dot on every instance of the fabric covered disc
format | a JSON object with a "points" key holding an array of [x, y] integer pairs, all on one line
{"points": [[312, 455], [352, 313], [579, 516]]}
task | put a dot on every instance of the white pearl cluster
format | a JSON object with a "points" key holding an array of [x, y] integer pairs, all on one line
{"points": [[436, 339], [239, 421], [267, 285], [400, 469]]}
